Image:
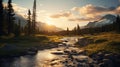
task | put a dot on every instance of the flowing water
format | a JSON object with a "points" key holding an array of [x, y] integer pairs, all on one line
{"points": [[55, 57]]}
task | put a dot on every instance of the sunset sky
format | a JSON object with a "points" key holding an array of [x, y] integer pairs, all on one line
{"points": [[68, 13]]}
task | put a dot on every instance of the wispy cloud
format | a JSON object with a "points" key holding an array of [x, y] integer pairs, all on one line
{"points": [[62, 14], [19, 10], [24, 11], [87, 13], [94, 11], [83, 19]]}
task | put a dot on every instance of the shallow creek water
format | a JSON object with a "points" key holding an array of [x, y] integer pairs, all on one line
{"points": [[55, 57]]}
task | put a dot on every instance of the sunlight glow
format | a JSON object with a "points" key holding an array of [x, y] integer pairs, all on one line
{"points": [[48, 21]]}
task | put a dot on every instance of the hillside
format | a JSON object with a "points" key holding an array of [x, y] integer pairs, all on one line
{"points": [[107, 42], [103, 48]]}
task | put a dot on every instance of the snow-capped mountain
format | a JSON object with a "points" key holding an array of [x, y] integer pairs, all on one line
{"points": [[105, 20]]}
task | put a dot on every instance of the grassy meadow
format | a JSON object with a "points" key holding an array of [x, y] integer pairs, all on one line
{"points": [[107, 42], [16, 45]]}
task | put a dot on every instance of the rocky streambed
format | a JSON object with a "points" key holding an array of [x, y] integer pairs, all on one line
{"points": [[65, 55]]}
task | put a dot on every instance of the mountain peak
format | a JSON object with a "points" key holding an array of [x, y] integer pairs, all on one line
{"points": [[109, 17], [105, 20]]}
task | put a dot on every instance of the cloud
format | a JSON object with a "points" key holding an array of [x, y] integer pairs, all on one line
{"points": [[62, 14], [91, 10], [24, 11], [41, 11], [20, 10], [117, 10], [83, 19], [87, 13]]}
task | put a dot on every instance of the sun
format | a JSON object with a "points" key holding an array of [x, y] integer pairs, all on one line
{"points": [[48, 21]]}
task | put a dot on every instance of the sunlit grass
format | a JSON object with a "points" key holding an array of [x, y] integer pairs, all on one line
{"points": [[52, 38], [55, 38], [109, 42], [30, 41]]}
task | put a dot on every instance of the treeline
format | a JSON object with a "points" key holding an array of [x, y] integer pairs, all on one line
{"points": [[75, 31], [115, 27], [7, 19], [10, 25]]}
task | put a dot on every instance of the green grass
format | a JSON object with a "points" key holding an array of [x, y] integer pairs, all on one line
{"points": [[24, 42], [109, 42]]}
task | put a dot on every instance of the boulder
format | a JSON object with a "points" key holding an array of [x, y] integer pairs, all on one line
{"points": [[101, 65], [109, 56], [84, 41], [106, 63]]}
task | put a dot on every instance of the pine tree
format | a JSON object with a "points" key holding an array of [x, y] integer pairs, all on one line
{"points": [[68, 32], [5, 20], [11, 17], [117, 24], [34, 17], [75, 31], [17, 26], [29, 23], [78, 29], [1, 18]]}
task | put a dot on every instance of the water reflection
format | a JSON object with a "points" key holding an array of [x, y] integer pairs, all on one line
{"points": [[41, 59], [45, 55], [24, 61]]}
